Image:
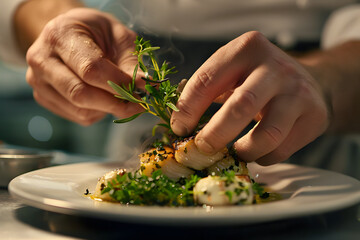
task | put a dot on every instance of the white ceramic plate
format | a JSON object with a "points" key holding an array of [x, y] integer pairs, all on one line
{"points": [[306, 191]]}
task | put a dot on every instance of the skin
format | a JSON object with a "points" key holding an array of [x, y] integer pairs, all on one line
{"points": [[294, 100], [72, 57]]}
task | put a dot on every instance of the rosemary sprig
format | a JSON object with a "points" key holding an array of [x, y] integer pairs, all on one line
{"points": [[160, 97]]}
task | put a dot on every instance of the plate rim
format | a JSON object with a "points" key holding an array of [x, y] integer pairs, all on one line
{"points": [[133, 215]]}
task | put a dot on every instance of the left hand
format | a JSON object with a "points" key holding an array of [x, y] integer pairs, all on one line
{"points": [[73, 58], [254, 79]]}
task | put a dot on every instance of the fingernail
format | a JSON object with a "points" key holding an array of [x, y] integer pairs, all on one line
{"points": [[204, 146], [179, 128]]}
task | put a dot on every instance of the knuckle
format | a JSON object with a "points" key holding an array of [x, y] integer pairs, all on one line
{"points": [[290, 75], [304, 92], [244, 103], [127, 38], [77, 94], [273, 134], [31, 55], [288, 69], [299, 84], [90, 68], [30, 78], [303, 88], [35, 58], [251, 36], [203, 80], [52, 32], [249, 40], [202, 88], [185, 109]]}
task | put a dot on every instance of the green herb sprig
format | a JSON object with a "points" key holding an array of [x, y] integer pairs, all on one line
{"points": [[160, 97]]}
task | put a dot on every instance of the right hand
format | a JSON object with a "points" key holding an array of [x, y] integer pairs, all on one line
{"points": [[71, 61], [254, 79]]}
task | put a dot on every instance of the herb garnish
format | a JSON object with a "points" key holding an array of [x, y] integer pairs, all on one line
{"points": [[259, 190], [160, 97], [137, 189]]}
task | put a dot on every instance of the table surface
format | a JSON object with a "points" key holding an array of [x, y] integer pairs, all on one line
{"points": [[18, 221]]}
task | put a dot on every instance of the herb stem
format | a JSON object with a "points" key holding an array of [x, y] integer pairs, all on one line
{"points": [[160, 100]]}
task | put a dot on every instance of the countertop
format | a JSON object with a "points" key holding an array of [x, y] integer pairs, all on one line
{"points": [[19, 221]]}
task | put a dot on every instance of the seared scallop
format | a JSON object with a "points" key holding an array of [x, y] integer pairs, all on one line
{"points": [[163, 158], [216, 190], [188, 154], [228, 163], [103, 182]]}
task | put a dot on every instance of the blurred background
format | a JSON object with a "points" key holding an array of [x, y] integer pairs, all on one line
{"points": [[25, 123]]}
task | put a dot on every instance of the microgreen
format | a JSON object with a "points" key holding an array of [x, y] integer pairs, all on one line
{"points": [[228, 176]]}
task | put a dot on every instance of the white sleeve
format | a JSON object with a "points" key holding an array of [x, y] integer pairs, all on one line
{"points": [[9, 51], [343, 25]]}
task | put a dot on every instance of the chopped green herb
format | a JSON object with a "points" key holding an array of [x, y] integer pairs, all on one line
{"points": [[137, 189], [229, 194], [238, 191], [258, 189], [229, 177]]}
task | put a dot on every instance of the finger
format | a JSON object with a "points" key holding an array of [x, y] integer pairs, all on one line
{"points": [[298, 137], [224, 70], [239, 110], [60, 106], [279, 117], [89, 62], [49, 98], [82, 95]]}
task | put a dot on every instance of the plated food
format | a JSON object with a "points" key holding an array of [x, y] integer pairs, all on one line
{"points": [[173, 172], [305, 192], [164, 178]]}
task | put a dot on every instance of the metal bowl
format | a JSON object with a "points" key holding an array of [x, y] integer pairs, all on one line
{"points": [[14, 162]]}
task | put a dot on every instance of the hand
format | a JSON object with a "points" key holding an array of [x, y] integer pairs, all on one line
{"points": [[254, 79], [71, 61]]}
